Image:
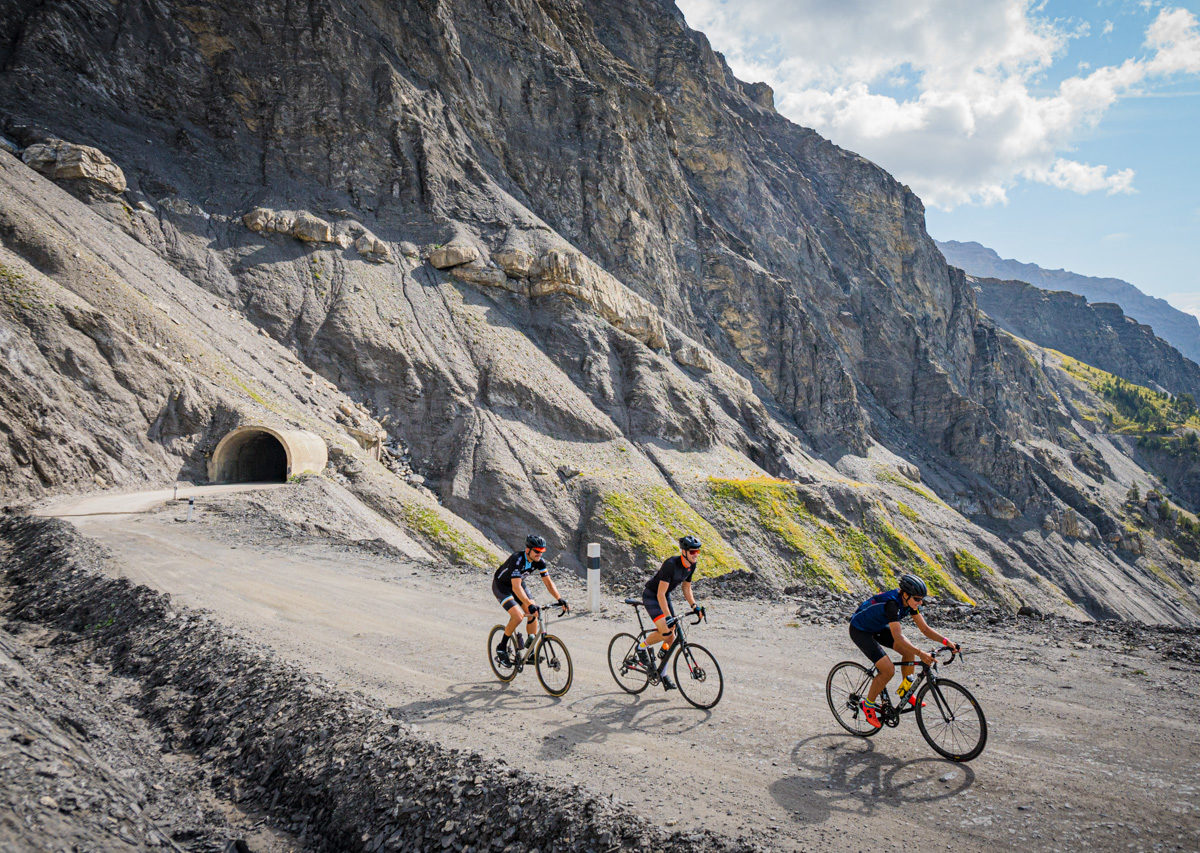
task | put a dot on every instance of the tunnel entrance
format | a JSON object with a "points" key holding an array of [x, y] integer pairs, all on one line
{"points": [[258, 458], [264, 454]]}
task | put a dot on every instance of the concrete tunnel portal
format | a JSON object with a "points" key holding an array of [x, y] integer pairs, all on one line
{"points": [[263, 454]]}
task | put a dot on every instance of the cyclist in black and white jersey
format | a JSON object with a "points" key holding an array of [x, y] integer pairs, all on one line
{"points": [[509, 589]]}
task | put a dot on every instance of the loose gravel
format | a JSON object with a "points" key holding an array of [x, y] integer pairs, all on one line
{"points": [[328, 770]]}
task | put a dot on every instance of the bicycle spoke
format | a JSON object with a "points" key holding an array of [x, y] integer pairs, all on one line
{"points": [[505, 670], [622, 663], [553, 663], [952, 721], [845, 687], [698, 676]]}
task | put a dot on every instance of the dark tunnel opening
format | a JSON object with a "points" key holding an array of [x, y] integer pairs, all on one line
{"points": [[258, 458]]}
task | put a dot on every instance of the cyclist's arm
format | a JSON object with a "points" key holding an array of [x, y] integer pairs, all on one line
{"points": [[900, 644], [686, 586], [663, 587], [519, 592], [550, 587], [920, 622]]}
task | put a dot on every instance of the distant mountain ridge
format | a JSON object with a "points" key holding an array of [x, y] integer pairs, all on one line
{"points": [[1098, 333], [1178, 328]]}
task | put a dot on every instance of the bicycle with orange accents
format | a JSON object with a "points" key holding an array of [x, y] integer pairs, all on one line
{"points": [[950, 719], [697, 673]]}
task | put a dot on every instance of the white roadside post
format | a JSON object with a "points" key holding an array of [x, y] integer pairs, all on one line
{"points": [[593, 576], [191, 504]]}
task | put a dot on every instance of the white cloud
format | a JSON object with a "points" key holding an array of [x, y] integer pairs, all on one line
{"points": [[979, 118], [1187, 302], [1108, 28]]}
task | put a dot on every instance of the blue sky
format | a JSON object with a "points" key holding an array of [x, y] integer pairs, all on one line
{"points": [[1058, 133]]}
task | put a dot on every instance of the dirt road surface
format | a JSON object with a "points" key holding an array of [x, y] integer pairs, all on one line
{"points": [[1088, 747]]}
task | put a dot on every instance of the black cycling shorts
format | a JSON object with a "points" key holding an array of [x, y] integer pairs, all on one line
{"points": [[651, 604], [870, 644], [506, 597]]}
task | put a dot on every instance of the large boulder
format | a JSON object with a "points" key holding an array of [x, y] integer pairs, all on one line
{"points": [[572, 273], [61, 160], [453, 255], [312, 229], [299, 224], [477, 272], [372, 248]]}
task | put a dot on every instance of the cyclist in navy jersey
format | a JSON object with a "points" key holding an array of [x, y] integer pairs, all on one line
{"points": [[876, 623], [675, 571], [508, 587]]}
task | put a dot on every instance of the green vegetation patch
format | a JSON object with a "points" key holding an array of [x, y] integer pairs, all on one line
{"points": [[1135, 409], [461, 548], [18, 291], [838, 556], [971, 566], [651, 521], [898, 479], [907, 511], [776, 506], [909, 556]]}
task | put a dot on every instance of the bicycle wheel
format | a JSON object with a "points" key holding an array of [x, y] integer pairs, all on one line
{"points": [[700, 682], [507, 670], [622, 663], [553, 663], [845, 687], [951, 720]]}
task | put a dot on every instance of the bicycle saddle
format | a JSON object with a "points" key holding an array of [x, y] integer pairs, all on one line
{"points": [[636, 602]]}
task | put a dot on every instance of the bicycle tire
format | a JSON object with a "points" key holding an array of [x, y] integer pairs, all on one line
{"points": [[845, 686], [505, 674], [951, 697], [697, 672], [550, 659], [620, 648]]}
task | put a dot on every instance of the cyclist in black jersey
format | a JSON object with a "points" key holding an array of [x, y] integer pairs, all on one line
{"points": [[509, 590], [876, 623], [675, 571]]}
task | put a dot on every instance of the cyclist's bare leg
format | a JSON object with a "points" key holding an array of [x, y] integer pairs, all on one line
{"points": [[515, 615], [661, 632], [531, 627], [886, 670], [906, 666]]}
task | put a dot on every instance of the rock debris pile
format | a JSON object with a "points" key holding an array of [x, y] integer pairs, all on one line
{"points": [[822, 607], [328, 769]]}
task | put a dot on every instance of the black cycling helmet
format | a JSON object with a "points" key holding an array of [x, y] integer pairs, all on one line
{"points": [[913, 585], [689, 543], [534, 541]]}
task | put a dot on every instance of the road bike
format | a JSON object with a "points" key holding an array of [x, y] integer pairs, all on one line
{"points": [[948, 716], [548, 653], [697, 673]]}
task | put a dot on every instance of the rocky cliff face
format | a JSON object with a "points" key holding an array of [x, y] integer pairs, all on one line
{"points": [[1178, 328], [1099, 333], [586, 281]]}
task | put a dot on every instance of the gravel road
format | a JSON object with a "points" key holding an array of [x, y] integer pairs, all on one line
{"points": [[1086, 745]]}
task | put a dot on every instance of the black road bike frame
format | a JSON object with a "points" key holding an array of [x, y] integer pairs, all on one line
{"points": [[680, 640]]}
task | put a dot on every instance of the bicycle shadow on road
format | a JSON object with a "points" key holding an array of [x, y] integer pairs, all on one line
{"points": [[607, 714], [469, 701], [849, 775]]}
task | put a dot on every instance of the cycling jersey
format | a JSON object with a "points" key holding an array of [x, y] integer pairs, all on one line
{"points": [[518, 566], [673, 572], [879, 611]]}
